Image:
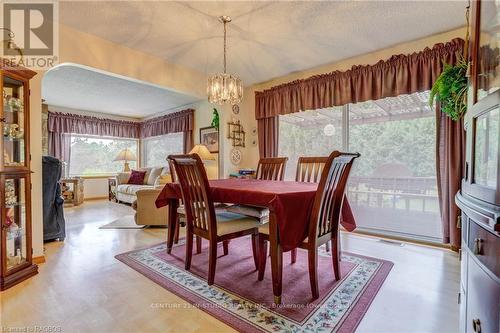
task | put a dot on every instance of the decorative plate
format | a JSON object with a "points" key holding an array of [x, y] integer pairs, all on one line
{"points": [[236, 156], [236, 109]]}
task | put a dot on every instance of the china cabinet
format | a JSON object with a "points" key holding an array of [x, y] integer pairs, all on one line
{"points": [[15, 182], [479, 197]]}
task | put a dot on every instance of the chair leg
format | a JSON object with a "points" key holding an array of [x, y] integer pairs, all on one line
{"points": [[255, 250], [225, 247], [212, 260], [293, 256], [198, 244], [336, 257], [313, 271], [262, 257], [189, 249], [327, 246], [177, 227]]}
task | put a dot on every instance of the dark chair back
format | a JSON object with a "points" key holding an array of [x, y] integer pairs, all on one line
{"points": [[309, 168], [171, 166], [325, 215], [200, 212], [271, 168]]}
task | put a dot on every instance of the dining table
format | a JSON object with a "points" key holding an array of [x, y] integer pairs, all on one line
{"points": [[289, 203]]}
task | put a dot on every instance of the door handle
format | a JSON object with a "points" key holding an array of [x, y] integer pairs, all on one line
{"points": [[478, 246]]}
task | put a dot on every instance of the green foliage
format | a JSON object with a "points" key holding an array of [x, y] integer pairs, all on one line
{"points": [[450, 89], [215, 119]]}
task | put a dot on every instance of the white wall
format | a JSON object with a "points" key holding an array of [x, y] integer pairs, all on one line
{"points": [[95, 188]]}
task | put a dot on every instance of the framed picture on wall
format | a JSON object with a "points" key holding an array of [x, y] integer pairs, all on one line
{"points": [[209, 136]]}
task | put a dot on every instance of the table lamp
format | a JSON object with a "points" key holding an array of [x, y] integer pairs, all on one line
{"points": [[125, 155], [203, 152]]}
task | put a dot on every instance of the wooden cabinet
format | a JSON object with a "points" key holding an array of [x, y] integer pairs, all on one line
{"points": [[479, 198], [15, 182]]}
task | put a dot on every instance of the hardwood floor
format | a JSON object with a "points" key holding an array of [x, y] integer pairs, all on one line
{"points": [[83, 288]]}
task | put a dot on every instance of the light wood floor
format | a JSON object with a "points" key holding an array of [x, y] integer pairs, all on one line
{"points": [[83, 288]]}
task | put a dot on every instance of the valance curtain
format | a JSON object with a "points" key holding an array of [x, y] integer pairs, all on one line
{"points": [[61, 125], [401, 74], [182, 121]]}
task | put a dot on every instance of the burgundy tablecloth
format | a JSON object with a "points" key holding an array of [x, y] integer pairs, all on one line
{"points": [[291, 202]]}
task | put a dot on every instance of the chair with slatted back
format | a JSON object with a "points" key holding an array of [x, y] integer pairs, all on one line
{"points": [[202, 219], [271, 168], [309, 169], [181, 213], [325, 217]]}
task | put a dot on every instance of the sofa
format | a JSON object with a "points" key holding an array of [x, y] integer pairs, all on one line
{"points": [[146, 211], [154, 178]]}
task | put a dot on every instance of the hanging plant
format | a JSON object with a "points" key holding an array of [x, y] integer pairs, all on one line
{"points": [[450, 89], [215, 119]]}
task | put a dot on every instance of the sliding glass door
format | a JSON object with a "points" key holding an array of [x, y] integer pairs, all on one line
{"points": [[392, 188]]}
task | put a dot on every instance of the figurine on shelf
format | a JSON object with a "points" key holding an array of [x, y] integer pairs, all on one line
{"points": [[15, 103], [6, 158], [10, 194], [9, 218]]}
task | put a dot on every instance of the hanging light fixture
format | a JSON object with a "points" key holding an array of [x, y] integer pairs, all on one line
{"points": [[223, 88]]}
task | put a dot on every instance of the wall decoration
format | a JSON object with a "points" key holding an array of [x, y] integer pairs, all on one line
{"points": [[236, 109], [209, 136], [236, 133], [236, 156], [254, 131]]}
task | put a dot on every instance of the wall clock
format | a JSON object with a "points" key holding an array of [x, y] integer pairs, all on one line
{"points": [[236, 109], [236, 156]]}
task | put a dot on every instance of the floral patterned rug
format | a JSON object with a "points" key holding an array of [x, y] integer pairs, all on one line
{"points": [[244, 303]]}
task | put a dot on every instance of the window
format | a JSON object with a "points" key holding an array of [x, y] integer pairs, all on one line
{"points": [[93, 156], [156, 149], [392, 187]]}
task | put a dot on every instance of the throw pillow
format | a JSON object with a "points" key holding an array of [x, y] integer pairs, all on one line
{"points": [[137, 177], [153, 175], [165, 179]]}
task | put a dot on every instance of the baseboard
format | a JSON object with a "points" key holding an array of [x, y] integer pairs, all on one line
{"points": [[39, 260], [95, 198]]}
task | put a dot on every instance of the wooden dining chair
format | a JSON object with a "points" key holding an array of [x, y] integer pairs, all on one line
{"points": [[324, 220], [202, 219], [271, 168], [309, 169], [181, 213]]}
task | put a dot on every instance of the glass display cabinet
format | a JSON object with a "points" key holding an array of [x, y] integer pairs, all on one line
{"points": [[15, 183]]}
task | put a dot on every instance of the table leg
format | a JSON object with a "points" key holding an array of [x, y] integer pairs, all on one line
{"points": [[172, 217], [276, 258]]}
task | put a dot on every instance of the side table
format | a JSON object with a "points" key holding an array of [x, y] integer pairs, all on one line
{"points": [[112, 189]]}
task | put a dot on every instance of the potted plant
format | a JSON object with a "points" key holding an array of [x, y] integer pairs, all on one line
{"points": [[450, 89]]}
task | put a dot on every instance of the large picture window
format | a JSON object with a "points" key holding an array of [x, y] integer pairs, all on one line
{"points": [[93, 156], [156, 149], [392, 188]]}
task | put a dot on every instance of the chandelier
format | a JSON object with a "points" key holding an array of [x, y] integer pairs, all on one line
{"points": [[223, 88]]}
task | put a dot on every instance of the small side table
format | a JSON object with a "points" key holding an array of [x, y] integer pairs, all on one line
{"points": [[112, 189], [72, 190]]}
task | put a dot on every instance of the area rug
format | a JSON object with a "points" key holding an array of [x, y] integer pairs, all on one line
{"points": [[125, 222], [244, 303]]}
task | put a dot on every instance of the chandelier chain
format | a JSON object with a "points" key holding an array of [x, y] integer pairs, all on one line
{"points": [[225, 46]]}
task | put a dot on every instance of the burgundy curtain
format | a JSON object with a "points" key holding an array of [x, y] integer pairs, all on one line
{"points": [[187, 141], [60, 146], [401, 74], [268, 130], [450, 159], [79, 124], [182, 121]]}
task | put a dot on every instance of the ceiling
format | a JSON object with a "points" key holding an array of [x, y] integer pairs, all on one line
{"points": [[266, 39], [85, 88]]}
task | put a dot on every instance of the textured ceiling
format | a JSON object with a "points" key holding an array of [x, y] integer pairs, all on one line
{"points": [[84, 88], [266, 39]]}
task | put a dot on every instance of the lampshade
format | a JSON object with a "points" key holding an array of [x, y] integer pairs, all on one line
{"points": [[203, 152], [125, 155]]}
